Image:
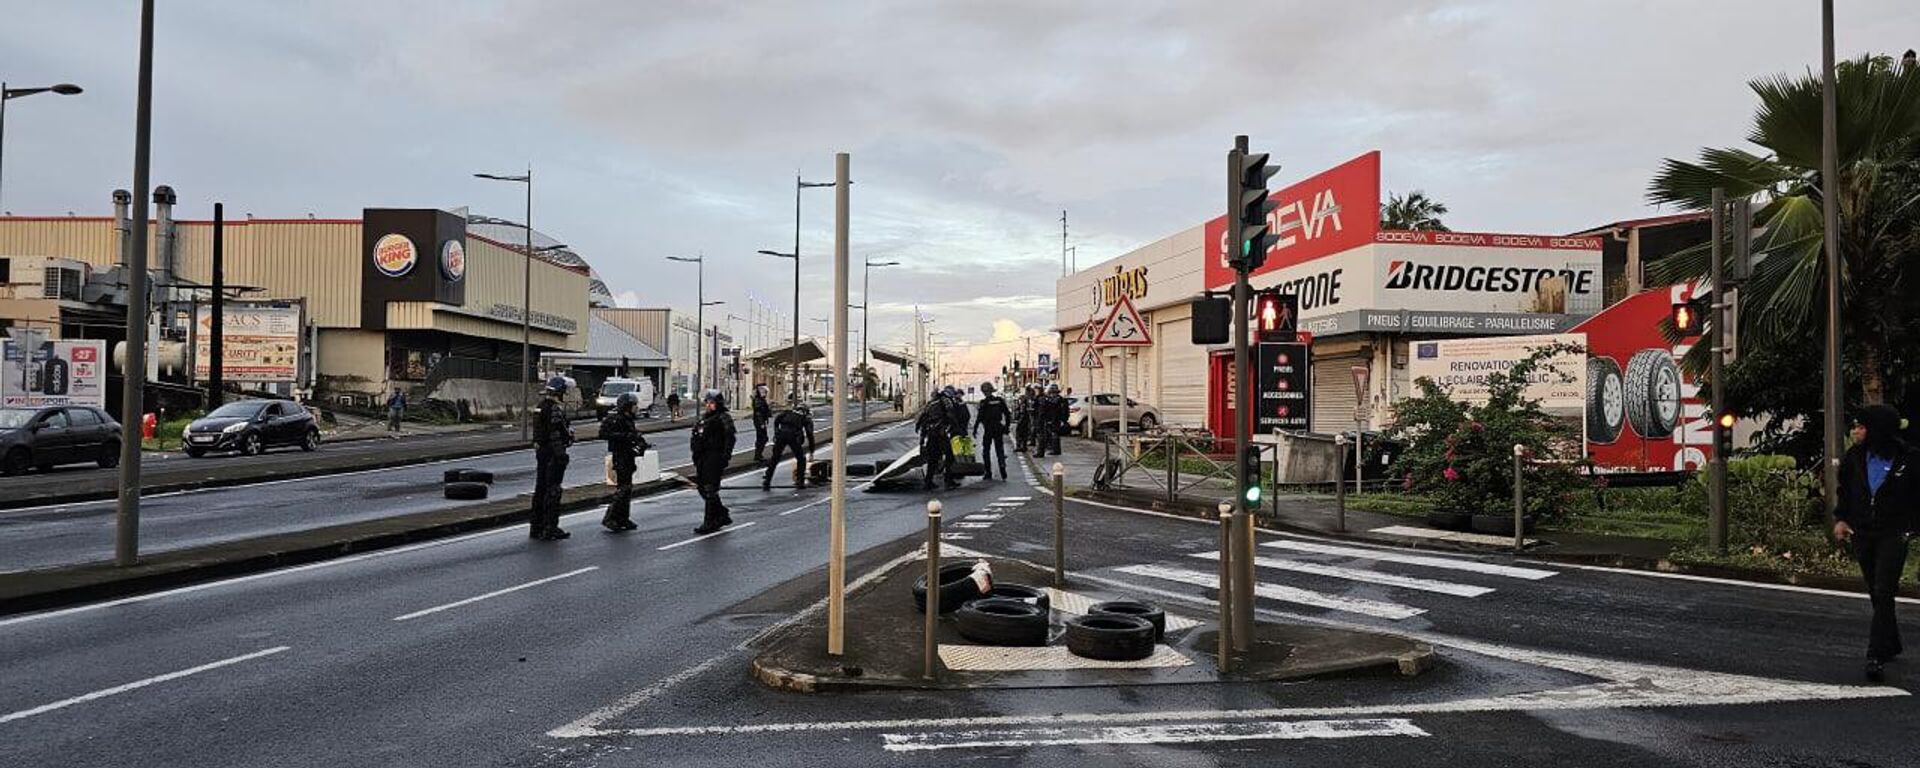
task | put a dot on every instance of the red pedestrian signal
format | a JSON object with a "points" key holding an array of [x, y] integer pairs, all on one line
{"points": [[1274, 314]]}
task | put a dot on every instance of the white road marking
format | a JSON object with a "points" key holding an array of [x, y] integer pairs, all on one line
{"points": [[975, 526], [1016, 498], [1362, 606], [1408, 531], [1730, 582], [137, 684], [956, 536], [493, 594], [1356, 574], [1430, 561], [721, 532], [981, 516], [1150, 734], [589, 724]]}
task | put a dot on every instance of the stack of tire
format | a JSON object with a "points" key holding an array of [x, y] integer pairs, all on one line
{"points": [[466, 484], [1017, 615], [1118, 630]]}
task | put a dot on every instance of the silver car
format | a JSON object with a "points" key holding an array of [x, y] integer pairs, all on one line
{"points": [[1104, 409]]}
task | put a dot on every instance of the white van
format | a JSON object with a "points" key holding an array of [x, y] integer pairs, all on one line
{"points": [[613, 388]]}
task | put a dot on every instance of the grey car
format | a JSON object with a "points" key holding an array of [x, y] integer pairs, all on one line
{"points": [[44, 437]]}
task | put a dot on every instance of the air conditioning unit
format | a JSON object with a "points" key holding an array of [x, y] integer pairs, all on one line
{"points": [[44, 277]]}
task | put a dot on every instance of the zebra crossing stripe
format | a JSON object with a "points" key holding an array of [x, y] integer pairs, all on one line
{"points": [[1356, 574], [1375, 608], [1172, 733], [1453, 564]]}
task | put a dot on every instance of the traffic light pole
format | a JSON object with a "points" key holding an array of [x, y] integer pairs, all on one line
{"points": [[1242, 529], [1716, 346]]}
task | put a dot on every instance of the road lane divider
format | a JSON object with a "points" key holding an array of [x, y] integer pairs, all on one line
{"points": [[138, 684], [494, 594]]}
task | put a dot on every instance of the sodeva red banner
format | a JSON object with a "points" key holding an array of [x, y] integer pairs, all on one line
{"points": [[1325, 214]]}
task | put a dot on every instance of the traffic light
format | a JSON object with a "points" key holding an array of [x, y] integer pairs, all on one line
{"points": [[1250, 469], [1248, 237], [1723, 435], [1690, 316], [1273, 315], [1212, 320]]}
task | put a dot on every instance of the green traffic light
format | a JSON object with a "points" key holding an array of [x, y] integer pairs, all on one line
{"points": [[1253, 494]]}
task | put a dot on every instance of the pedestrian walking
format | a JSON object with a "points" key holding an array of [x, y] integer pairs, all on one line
{"points": [[992, 423], [673, 406], [712, 444], [625, 445], [552, 435], [396, 408], [762, 413], [936, 440], [1874, 514], [792, 426]]}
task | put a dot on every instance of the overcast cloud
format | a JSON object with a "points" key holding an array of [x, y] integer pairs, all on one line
{"points": [[666, 127]]}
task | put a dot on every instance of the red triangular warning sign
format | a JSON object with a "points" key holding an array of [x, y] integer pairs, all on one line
{"points": [[1091, 359], [1123, 327]]}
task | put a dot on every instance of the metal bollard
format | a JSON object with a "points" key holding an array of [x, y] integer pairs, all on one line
{"points": [[1519, 500], [1226, 587], [1340, 483], [1059, 525], [927, 659]]}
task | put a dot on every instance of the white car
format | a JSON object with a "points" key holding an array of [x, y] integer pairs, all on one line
{"points": [[1105, 412], [613, 388]]}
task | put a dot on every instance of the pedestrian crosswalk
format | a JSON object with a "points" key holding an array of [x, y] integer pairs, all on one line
{"points": [[984, 519], [1378, 583]]}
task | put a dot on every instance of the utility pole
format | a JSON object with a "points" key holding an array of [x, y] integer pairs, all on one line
{"points": [[1716, 341], [217, 346], [1829, 182], [837, 527], [126, 541], [1063, 244]]}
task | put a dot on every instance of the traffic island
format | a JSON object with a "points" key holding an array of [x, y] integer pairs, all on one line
{"points": [[885, 645]]}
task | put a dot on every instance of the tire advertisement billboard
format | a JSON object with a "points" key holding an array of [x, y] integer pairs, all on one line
{"points": [[260, 343], [34, 372], [1643, 412]]}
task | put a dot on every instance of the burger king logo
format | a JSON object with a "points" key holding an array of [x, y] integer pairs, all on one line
{"points": [[394, 255], [453, 260]]}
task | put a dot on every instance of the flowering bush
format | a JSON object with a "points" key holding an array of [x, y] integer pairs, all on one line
{"points": [[1462, 455]]}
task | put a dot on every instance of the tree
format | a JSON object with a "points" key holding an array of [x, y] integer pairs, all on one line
{"points": [[1412, 211], [867, 379], [1879, 204]]}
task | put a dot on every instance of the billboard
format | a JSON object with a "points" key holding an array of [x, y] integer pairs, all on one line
{"points": [[1643, 412], [261, 343], [35, 373], [1285, 397], [1462, 366], [1335, 210]]}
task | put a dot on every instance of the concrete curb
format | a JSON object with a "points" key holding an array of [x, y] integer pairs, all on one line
{"points": [[44, 589]]}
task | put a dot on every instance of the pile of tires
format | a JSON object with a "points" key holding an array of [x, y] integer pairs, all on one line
{"points": [[1002, 621], [466, 484], [957, 588], [1110, 637]]}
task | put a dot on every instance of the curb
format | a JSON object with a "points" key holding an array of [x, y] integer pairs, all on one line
{"points": [[102, 580]]}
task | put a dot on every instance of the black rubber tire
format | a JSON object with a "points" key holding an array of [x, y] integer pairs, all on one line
{"points": [[1147, 423], [1606, 401], [1652, 387], [194, 453], [17, 462], [1134, 608], [956, 588], [1449, 520], [1499, 525], [1033, 596], [466, 491], [861, 469], [311, 442], [250, 445], [1110, 637], [109, 455], [467, 475], [1002, 622]]}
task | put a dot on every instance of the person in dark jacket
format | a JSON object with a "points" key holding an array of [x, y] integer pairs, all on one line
{"points": [[936, 439], [552, 435], [762, 413], [992, 423], [673, 406], [396, 409], [1874, 514], [712, 443], [625, 445], [789, 428], [1023, 419], [1050, 421]]}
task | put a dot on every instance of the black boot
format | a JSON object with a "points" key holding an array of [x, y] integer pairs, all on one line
{"points": [[1876, 670]]}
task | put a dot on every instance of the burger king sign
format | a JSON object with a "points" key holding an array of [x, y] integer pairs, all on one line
{"points": [[453, 260], [394, 255]]}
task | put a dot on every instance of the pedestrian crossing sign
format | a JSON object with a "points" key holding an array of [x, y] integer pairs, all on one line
{"points": [[1123, 327], [1091, 359]]}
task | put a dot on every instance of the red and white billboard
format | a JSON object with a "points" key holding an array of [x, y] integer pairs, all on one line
{"points": [[1643, 412], [1333, 211]]}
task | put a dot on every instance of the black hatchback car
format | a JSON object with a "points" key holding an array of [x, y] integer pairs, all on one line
{"points": [[252, 426], [50, 435]]}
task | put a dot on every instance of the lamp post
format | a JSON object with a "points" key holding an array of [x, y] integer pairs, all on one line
{"points": [[9, 94], [700, 317], [798, 185], [126, 527], [866, 301], [526, 299]]}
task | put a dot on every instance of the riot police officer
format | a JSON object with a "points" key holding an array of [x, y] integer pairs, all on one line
{"points": [[1051, 419], [552, 435], [793, 424], [712, 444], [624, 446], [936, 440], [1023, 419], [992, 424], [762, 413]]}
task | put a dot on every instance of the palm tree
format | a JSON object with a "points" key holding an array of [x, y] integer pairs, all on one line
{"points": [[1879, 203], [867, 379], [1412, 211]]}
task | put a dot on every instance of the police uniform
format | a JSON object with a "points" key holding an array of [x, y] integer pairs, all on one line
{"points": [[992, 422], [552, 435], [789, 428], [624, 445]]}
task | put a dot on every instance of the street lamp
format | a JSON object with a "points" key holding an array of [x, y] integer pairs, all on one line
{"points": [[866, 300], [9, 94], [526, 300], [700, 318], [798, 185]]}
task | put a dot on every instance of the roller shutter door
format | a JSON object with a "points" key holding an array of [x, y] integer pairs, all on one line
{"points": [[1182, 395], [1333, 399]]}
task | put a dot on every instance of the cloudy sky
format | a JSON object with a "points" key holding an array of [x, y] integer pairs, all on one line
{"points": [[673, 127]]}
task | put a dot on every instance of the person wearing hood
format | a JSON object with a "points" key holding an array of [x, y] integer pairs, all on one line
{"points": [[712, 444], [992, 423], [552, 435], [1874, 515]]}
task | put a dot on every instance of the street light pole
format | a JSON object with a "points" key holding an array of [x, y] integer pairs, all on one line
{"points": [[1829, 185], [9, 94], [866, 343], [526, 301], [126, 531]]}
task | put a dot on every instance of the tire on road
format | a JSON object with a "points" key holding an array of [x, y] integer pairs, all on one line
{"points": [[1652, 390], [109, 455], [861, 469], [465, 491], [1449, 519], [1033, 596], [1002, 622], [16, 462], [956, 588], [1110, 637], [311, 442], [194, 453], [467, 475], [1134, 608], [1606, 401]]}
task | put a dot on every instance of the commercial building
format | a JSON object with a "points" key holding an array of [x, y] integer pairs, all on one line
{"points": [[1364, 294], [413, 299]]}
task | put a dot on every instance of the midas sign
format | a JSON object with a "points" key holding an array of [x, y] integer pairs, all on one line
{"points": [[1131, 283], [1320, 216]]}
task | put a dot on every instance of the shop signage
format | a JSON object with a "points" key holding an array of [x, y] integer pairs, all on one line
{"points": [[1127, 283], [260, 343], [1123, 328], [544, 320], [1413, 321], [1320, 216], [453, 260], [1284, 399], [1463, 365], [394, 255], [36, 373]]}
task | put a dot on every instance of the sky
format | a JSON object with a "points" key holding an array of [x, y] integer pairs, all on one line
{"points": [[675, 127]]}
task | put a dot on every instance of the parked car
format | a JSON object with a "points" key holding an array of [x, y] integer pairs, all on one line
{"points": [[1104, 409], [252, 426], [51, 435], [613, 388]]}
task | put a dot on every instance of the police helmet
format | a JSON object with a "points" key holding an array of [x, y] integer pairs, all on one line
{"points": [[1053, 389], [986, 387], [627, 402], [557, 385], [714, 396]]}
